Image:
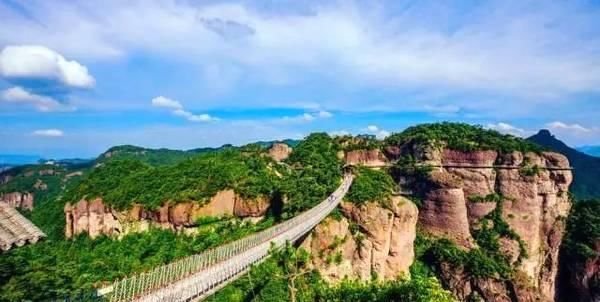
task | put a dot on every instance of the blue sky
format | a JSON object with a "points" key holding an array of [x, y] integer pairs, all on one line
{"points": [[77, 77]]}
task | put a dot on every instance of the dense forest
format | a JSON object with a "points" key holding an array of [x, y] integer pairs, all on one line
{"points": [[463, 137]]}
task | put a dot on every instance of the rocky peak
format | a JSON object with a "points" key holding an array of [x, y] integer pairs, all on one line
{"points": [[280, 151]]}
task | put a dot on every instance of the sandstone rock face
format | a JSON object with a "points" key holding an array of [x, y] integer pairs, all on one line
{"points": [[280, 151], [369, 240], [367, 158], [535, 206], [18, 200], [251, 207], [94, 218]]}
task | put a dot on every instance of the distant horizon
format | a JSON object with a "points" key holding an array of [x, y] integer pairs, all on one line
{"points": [[39, 157]]}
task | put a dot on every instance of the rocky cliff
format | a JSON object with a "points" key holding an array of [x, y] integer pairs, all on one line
{"points": [[367, 241], [530, 192], [23, 200], [367, 158], [459, 192], [94, 218]]}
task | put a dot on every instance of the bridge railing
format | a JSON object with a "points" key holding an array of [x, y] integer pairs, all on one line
{"points": [[130, 288]]}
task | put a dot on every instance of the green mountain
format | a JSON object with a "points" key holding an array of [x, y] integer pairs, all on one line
{"points": [[586, 173]]}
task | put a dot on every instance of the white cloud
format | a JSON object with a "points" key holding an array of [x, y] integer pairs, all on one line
{"points": [[193, 117], [516, 48], [509, 129], [339, 133], [305, 117], [556, 125], [379, 133], [178, 110], [372, 128], [48, 132], [39, 62], [324, 114], [161, 101], [41, 103]]}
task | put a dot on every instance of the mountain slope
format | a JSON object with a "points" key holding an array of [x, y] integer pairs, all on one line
{"points": [[586, 182]]}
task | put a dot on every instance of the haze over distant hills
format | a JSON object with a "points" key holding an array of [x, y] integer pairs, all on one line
{"points": [[18, 159], [586, 174], [590, 150]]}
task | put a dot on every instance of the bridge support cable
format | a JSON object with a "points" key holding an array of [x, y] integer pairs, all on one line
{"points": [[197, 277]]}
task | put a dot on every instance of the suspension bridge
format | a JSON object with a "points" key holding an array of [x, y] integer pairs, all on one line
{"points": [[196, 277]]}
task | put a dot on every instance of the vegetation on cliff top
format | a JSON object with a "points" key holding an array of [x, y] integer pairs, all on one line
{"points": [[370, 185], [359, 142], [123, 182], [155, 157], [462, 137]]}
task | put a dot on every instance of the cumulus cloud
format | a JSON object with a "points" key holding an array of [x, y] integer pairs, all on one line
{"points": [[19, 95], [178, 110], [306, 117], [324, 114], [509, 129], [161, 101], [48, 132], [39, 62], [375, 130], [556, 125]]}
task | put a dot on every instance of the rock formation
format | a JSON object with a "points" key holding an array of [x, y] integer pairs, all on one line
{"points": [[535, 204], [23, 200], [368, 241], [280, 151], [94, 218], [367, 158], [533, 189]]}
